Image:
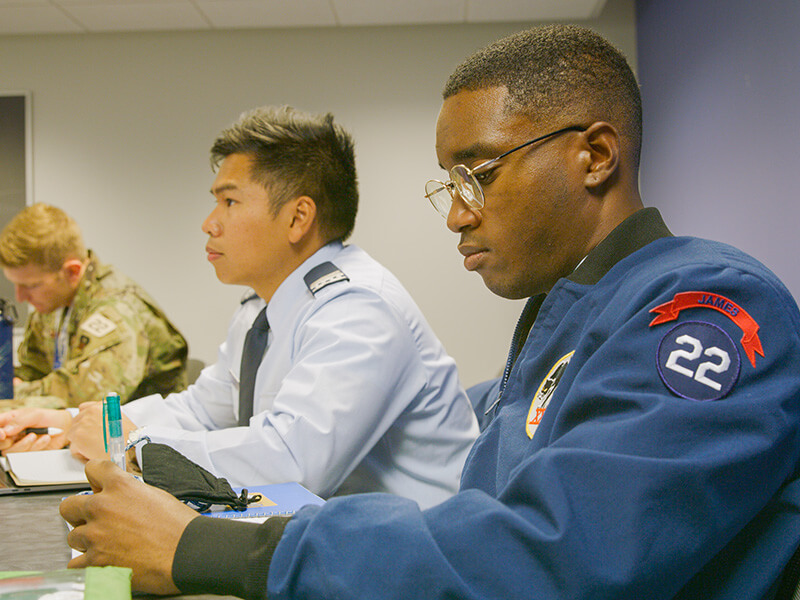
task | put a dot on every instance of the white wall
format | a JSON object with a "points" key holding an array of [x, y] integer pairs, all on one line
{"points": [[122, 124]]}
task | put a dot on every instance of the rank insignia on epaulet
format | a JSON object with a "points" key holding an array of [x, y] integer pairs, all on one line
{"points": [[322, 276]]}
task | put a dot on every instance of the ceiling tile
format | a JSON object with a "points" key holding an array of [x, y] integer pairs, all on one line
{"points": [[479, 11], [48, 16], [16, 19], [137, 16], [267, 13], [112, 2], [398, 12]]}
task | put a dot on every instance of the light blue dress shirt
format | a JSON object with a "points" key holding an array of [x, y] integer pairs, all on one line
{"points": [[354, 394]]}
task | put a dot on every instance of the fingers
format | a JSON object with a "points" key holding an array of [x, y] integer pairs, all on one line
{"points": [[7, 417], [89, 414], [77, 510], [32, 442], [85, 435], [37, 442], [79, 562], [21, 417], [126, 523], [11, 423], [26, 443], [76, 452], [14, 422], [104, 474], [73, 511]]}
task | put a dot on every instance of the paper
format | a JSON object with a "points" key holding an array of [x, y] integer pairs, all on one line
{"points": [[45, 467]]}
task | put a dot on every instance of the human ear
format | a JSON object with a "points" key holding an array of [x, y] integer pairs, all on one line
{"points": [[600, 154], [73, 270], [302, 218]]}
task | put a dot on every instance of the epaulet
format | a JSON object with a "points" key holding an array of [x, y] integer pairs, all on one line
{"points": [[250, 295], [322, 276]]}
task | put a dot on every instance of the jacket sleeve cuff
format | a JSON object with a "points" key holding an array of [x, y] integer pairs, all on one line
{"points": [[226, 557]]}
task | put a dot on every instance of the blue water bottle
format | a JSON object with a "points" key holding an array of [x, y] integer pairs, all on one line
{"points": [[8, 314]]}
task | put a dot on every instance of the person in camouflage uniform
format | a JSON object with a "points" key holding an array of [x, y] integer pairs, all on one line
{"points": [[93, 331]]}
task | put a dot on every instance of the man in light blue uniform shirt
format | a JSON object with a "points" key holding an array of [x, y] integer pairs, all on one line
{"points": [[354, 392]]}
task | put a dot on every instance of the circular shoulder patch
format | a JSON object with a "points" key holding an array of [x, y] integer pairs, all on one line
{"points": [[698, 361]]}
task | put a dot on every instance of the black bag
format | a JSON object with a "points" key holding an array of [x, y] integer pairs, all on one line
{"points": [[166, 468]]}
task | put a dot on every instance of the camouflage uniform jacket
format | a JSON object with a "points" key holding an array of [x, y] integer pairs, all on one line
{"points": [[119, 340]]}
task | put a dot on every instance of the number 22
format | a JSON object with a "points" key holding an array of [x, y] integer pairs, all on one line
{"points": [[691, 355]]}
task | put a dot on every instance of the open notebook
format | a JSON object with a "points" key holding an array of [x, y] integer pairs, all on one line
{"points": [[45, 471]]}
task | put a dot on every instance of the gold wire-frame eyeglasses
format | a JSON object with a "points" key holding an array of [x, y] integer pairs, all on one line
{"points": [[463, 180]]}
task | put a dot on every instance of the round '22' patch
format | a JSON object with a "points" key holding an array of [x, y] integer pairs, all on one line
{"points": [[698, 361]]}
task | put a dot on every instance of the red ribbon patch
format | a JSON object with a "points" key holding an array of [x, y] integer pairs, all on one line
{"points": [[669, 311]]}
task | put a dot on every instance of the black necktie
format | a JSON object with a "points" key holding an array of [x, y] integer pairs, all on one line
{"points": [[254, 344]]}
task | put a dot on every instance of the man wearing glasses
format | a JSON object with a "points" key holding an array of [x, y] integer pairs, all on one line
{"points": [[646, 432]]}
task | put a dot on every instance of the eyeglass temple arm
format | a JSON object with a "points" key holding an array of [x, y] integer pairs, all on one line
{"points": [[538, 139]]}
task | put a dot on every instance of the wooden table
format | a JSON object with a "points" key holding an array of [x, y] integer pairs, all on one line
{"points": [[35, 536]]}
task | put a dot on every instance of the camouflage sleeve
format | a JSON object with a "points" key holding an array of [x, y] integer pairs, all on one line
{"points": [[32, 354], [107, 353]]}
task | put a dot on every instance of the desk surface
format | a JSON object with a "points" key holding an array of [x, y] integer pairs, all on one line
{"points": [[36, 535]]}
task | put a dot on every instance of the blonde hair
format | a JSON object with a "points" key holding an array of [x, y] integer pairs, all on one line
{"points": [[41, 235]]}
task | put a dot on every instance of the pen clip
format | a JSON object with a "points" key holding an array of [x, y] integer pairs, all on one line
{"points": [[105, 423]]}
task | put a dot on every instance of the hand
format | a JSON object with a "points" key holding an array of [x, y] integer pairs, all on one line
{"points": [[14, 422], [86, 433], [126, 523]]}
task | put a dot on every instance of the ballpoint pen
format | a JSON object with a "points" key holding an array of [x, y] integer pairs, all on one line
{"points": [[43, 430], [112, 424]]}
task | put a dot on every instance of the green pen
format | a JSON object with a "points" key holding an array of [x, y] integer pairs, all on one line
{"points": [[112, 430]]}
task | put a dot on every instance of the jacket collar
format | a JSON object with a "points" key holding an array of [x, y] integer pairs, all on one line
{"points": [[635, 232]]}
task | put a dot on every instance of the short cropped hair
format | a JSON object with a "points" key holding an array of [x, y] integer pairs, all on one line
{"points": [[298, 154], [558, 73], [41, 235]]}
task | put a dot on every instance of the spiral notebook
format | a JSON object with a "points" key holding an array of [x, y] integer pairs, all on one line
{"points": [[276, 499]]}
